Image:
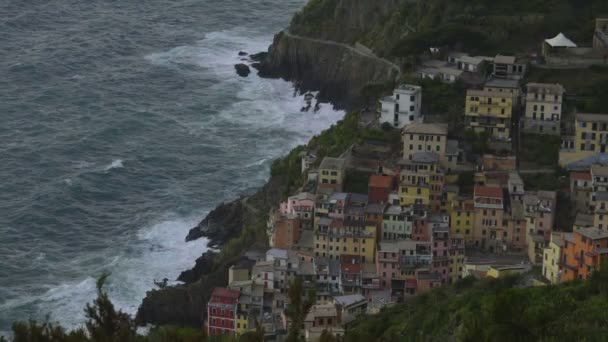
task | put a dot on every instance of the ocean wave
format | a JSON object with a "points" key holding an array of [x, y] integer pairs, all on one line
{"points": [[131, 276], [116, 164]]}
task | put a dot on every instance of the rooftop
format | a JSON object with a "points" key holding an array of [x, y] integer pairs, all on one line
{"points": [[592, 233], [425, 157], [502, 83], [545, 88], [330, 163], [560, 41], [488, 191], [379, 181], [486, 93], [583, 220], [426, 128], [409, 88], [592, 117], [599, 170], [584, 176], [277, 253], [499, 59], [224, 292], [349, 299], [375, 208]]}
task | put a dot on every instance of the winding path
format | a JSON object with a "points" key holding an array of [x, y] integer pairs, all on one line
{"points": [[367, 54]]}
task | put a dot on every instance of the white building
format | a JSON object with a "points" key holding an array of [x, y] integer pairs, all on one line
{"points": [[543, 108], [403, 107]]}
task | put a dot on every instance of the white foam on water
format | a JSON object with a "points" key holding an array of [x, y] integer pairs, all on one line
{"points": [[115, 164], [160, 251]]}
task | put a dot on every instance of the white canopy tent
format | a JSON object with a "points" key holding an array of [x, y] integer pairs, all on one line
{"points": [[560, 41]]}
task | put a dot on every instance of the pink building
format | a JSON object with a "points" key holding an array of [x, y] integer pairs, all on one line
{"points": [[302, 205], [440, 250]]}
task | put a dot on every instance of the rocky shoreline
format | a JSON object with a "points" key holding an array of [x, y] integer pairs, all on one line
{"points": [[338, 75]]}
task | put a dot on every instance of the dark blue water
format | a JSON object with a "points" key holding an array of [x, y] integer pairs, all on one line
{"points": [[122, 123]]}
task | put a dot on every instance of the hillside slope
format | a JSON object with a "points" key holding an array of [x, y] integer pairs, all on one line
{"points": [[495, 310]]}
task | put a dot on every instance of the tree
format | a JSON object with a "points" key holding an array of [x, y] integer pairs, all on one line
{"points": [[298, 308], [104, 323], [326, 336]]}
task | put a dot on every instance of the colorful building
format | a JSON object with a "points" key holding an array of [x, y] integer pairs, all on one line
{"points": [[582, 255], [462, 218], [334, 237], [490, 110], [403, 107], [331, 173], [456, 256], [283, 230], [590, 138], [551, 257], [396, 224], [543, 108], [222, 312], [421, 180], [423, 137], [379, 187], [489, 231], [580, 190]]}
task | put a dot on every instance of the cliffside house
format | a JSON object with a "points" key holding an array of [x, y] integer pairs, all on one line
{"points": [[403, 107]]}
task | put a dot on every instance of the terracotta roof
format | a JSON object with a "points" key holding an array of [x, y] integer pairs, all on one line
{"points": [[487, 191], [581, 176], [224, 292], [378, 181], [351, 268]]}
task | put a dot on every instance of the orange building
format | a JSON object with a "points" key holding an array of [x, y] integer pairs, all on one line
{"points": [[379, 188], [581, 254], [284, 230]]}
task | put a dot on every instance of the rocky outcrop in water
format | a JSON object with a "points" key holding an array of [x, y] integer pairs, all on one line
{"points": [[221, 224], [242, 69], [203, 265]]}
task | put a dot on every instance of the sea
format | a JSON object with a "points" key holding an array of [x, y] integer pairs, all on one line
{"points": [[122, 124]]}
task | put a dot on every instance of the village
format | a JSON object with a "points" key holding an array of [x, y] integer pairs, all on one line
{"points": [[439, 211]]}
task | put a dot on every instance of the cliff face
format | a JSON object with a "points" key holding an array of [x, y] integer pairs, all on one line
{"points": [[337, 71]]}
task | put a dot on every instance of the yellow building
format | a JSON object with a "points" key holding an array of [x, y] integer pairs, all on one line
{"points": [[331, 173], [333, 237], [242, 323], [590, 138], [450, 192], [551, 257], [421, 137], [462, 217], [503, 271], [456, 257], [490, 110], [421, 180]]}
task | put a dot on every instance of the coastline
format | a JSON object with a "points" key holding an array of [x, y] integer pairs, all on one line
{"points": [[240, 225]]}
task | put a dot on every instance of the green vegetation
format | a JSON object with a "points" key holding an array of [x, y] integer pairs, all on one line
{"points": [[300, 303], [103, 324], [539, 150], [479, 141], [356, 181], [332, 142], [495, 310], [478, 26]]}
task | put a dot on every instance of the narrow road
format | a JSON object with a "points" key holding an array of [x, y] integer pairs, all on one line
{"points": [[348, 47]]}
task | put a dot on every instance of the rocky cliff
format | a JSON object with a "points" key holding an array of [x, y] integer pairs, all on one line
{"points": [[337, 71]]}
